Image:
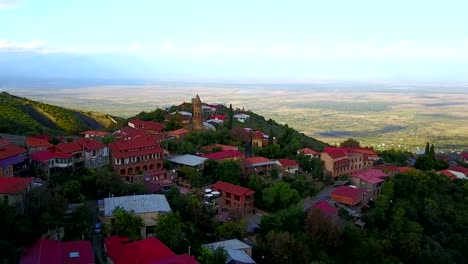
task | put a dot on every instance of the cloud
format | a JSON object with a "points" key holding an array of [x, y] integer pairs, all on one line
{"points": [[4, 4], [35, 46]]}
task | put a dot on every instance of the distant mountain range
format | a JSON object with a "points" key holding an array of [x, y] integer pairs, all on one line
{"points": [[22, 116]]}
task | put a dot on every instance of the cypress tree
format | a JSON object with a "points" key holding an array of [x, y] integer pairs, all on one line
{"points": [[427, 151], [432, 152]]}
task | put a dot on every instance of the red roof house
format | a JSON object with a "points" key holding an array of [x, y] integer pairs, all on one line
{"points": [[46, 251], [225, 155], [14, 185], [136, 155], [9, 156], [326, 208], [235, 197], [258, 165], [347, 195], [219, 117], [147, 251], [309, 152], [464, 156], [288, 165], [94, 134], [149, 126], [37, 144]]}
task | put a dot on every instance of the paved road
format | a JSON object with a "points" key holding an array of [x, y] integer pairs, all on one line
{"points": [[96, 239], [323, 195]]}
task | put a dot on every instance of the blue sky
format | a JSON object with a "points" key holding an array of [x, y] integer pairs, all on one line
{"points": [[291, 41]]}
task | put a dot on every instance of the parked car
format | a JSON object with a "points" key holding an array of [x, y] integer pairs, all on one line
{"points": [[97, 228]]}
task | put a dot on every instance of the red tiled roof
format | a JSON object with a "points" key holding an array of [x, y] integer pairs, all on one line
{"points": [[226, 147], [14, 185], [220, 117], [464, 155], [348, 192], [146, 251], [33, 142], [257, 135], [178, 132], [95, 133], [90, 144], [370, 175], [459, 169], [288, 162], [232, 188], [46, 251], [256, 160], [224, 155], [134, 147], [48, 154], [449, 174], [4, 142], [8, 151], [308, 151], [335, 153], [129, 132], [70, 147], [326, 208], [147, 125]]}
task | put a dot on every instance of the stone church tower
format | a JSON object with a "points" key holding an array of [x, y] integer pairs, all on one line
{"points": [[197, 121]]}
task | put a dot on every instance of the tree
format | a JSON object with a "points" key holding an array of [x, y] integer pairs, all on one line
{"points": [[231, 229], [432, 152], [169, 229], [424, 162], [230, 121], [270, 137], [71, 191], [229, 171], [126, 224], [427, 150], [350, 143], [209, 256], [280, 196]]}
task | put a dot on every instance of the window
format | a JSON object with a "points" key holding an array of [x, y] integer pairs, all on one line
{"points": [[236, 197], [228, 195]]}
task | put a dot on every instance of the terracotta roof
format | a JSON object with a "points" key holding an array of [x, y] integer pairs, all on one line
{"points": [[46, 251], [232, 188], [256, 160], [146, 251], [370, 175], [464, 155], [95, 133], [288, 162], [226, 147], [134, 147], [326, 208], [129, 132], [178, 132], [449, 174], [348, 191], [7, 151], [70, 147], [335, 153], [4, 142], [14, 185], [308, 151], [459, 169], [225, 155], [48, 154], [220, 117], [33, 142], [90, 144], [257, 135]]}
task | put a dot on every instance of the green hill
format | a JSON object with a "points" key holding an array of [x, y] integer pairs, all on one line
{"points": [[22, 116]]}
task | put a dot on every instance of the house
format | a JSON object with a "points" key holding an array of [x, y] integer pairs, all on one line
{"points": [[309, 152], [222, 147], [459, 169], [150, 127], [348, 195], [241, 117], [288, 166], [259, 166], [46, 251], [235, 198], [225, 155], [260, 139], [370, 181], [11, 156], [49, 159], [146, 251], [326, 209], [96, 154], [178, 134], [37, 144], [148, 207], [341, 161], [127, 133], [453, 175], [93, 134], [188, 160], [13, 189], [236, 250], [136, 155], [218, 118], [183, 116], [392, 170], [73, 148], [464, 157]]}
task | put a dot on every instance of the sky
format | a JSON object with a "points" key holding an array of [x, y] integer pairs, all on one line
{"points": [[242, 40]]}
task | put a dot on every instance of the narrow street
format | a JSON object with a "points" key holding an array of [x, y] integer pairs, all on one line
{"points": [[96, 239]]}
